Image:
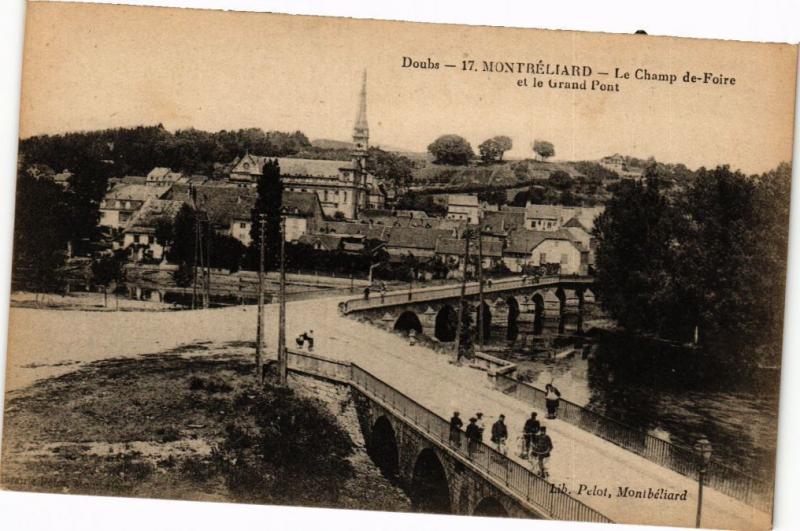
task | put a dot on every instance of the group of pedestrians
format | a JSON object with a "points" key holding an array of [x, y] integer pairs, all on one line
{"points": [[306, 337], [536, 443]]}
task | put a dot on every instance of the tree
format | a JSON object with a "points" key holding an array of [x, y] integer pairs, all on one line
{"points": [[451, 149], [42, 228], [268, 203], [490, 151], [106, 270], [544, 149], [634, 259], [395, 170], [560, 179], [493, 196]]}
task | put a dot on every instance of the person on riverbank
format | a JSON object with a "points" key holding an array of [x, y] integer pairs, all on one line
{"points": [[541, 448], [551, 397], [529, 431], [455, 429], [480, 423], [473, 437], [366, 293], [500, 434], [301, 340]]}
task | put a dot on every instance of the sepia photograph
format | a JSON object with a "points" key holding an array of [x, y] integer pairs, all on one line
{"points": [[402, 267]]}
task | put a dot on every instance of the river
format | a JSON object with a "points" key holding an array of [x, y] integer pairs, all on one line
{"points": [[736, 410]]}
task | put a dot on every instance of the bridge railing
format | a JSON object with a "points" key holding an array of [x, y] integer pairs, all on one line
{"points": [[755, 492], [397, 297], [514, 476], [319, 365]]}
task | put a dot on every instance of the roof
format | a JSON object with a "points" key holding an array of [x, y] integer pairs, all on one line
{"points": [[542, 211], [151, 212], [133, 192], [301, 203], [227, 204], [416, 238], [222, 204], [348, 228], [312, 167], [584, 218], [525, 241], [462, 200], [454, 246], [293, 167], [502, 221], [327, 242]]}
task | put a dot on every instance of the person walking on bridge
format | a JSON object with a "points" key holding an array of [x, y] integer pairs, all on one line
{"points": [[500, 435], [542, 445], [479, 422], [473, 437], [455, 429], [530, 430], [551, 398]]}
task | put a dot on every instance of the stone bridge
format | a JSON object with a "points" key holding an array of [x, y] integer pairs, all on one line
{"points": [[411, 445], [519, 305]]}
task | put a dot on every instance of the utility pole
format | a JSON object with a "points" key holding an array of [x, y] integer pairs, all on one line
{"points": [[207, 295], [262, 219], [460, 325], [283, 361], [193, 196], [480, 288]]}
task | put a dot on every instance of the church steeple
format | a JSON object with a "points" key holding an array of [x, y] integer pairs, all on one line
{"points": [[361, 128]]}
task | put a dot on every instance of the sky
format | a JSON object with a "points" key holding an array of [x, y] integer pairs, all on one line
{"points": [[98, 66]]}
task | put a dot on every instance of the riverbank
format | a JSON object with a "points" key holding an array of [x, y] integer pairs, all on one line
{"points": [[185, 425]]}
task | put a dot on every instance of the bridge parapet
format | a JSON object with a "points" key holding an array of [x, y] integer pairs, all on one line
{"points": [[499, 286], [536, 495]]}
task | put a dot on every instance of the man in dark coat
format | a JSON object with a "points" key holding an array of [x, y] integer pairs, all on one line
{"points": [[500, 434], [473, 437], [455, 429], [542, 445], [528, 432]]}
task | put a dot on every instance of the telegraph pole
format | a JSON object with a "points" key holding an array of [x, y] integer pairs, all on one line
{"points": [[207, 283], [262, 219], [283, 362], [480, 288], [459, 325]]}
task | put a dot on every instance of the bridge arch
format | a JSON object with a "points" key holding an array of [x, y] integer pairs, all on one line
{"points": [[489, 506], [538, 313], [407, 321], [430, 490], [383, 449], [446, 322]]}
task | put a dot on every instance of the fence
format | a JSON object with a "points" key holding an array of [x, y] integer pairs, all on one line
{"points": [[498, 468], [452, 291], [735, 483]]}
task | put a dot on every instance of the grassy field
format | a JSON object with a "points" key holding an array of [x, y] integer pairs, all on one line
{"points": [[184, 424]]}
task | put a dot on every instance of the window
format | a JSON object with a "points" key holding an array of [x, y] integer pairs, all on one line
{"points": [[242, 225], [564, 259], [542, 258], [136, 238]]}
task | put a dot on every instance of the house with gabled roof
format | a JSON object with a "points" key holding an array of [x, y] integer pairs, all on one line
{"points": [[140, 232], [538, 248], [120, 203]]}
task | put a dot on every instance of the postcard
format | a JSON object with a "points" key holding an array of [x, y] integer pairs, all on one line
{"points": [[394, 266]]}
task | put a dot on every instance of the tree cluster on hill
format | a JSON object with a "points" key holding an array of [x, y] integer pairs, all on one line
{"points": [[136, 151], [451, 149], [492, 149], [707, 261]]}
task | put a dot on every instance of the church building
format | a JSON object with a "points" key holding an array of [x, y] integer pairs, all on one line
{"points": [[344, 187]]}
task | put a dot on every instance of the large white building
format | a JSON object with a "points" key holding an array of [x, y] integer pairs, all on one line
{"points": [[343, 187]]}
